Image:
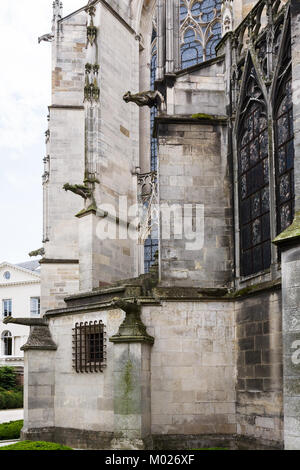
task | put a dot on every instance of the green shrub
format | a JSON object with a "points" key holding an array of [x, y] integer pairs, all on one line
{"points": [[10, 430], [11, 399], [38, 445], [8, 378]]}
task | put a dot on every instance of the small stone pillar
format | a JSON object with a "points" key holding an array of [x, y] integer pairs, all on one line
{"points": [[89, 246], [289, 242], [39, 380], [132, 393]]}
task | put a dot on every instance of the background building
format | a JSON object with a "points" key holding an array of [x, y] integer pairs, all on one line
{"points": [[19, 297]]}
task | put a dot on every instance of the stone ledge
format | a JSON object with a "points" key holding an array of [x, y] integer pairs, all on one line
{"points": [[291, 235], [195, 119], [58, 261]]}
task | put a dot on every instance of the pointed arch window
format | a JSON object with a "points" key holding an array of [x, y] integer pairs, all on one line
{"points": [[253, 182], [153, 112], [200, 30], [151, 243], [284, 156]]}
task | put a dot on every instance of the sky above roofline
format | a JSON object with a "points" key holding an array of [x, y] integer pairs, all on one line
{"points": [[25, 84]]}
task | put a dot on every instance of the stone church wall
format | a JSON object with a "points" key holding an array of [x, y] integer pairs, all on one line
{"points": [[193, 169], [192, 368], [259, 366]]}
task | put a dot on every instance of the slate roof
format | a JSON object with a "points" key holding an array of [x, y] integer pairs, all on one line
{"points": [[30, 265]]}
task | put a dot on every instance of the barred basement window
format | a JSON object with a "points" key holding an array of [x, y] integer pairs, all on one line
{"points": [[89, 347]]}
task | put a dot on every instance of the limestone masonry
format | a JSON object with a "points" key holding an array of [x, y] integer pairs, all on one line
{"points": [[183, 329]]}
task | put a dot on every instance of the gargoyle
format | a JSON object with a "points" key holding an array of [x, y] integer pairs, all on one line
{"points": [[46, 37], [132, 328], [39, 337], [39, 252], [127, 306], [146, 98], [26, 321], [79, 189]]}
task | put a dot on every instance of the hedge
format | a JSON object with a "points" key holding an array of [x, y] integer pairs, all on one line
{"points": [[38, 445], [11, 400], [10, 430], [8, 378]]}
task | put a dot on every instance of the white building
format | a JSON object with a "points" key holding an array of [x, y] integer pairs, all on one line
{"points": [[19, 297]]}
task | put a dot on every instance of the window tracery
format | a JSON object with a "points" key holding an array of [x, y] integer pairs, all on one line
{"points": [[284, 158], [151, 241], [253, 181], [200, 30]]}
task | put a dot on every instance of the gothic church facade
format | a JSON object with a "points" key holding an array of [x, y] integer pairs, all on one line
{"points": [[151, 341]]}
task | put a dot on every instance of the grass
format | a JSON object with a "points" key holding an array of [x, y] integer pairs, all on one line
{"points": [[38, 445], [10, 430]]}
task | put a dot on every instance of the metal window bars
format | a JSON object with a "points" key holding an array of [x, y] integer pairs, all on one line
{"points": [[89, 347]]}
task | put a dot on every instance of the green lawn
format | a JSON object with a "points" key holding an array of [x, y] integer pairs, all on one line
{"points": [[38, 445]]}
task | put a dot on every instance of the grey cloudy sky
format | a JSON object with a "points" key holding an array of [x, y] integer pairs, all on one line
{"points": [[25, 83]]}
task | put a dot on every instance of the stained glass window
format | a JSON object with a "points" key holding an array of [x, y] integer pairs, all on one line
{"points": [[284, 158], [151, 244], [253, 178], [200, 30], [153, 111]]}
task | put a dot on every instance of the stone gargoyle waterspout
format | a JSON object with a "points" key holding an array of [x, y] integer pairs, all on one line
{"points": [[132, 329], [146, 98], [39, 337]]}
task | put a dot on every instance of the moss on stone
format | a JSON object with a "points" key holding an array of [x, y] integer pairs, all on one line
{"points": [[291, 233], [128, 379], [253, 288], [202, 116]]}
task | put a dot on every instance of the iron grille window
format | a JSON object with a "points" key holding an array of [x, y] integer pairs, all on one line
{"points": [[89, 347], [7, 307], [254, 196], [200, 30], [284, 159]]}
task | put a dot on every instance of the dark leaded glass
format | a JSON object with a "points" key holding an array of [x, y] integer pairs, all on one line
{"points": [[254, 187], [153, 112], [151, 244], [284, 156]]}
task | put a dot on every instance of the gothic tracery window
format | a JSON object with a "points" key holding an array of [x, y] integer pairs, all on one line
{"points": [[253, 181], [153, 111], [200, 30], [284, 158], [151, 243]]}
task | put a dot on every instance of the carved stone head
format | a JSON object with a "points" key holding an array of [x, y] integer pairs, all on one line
{"points": [[127, 97]]}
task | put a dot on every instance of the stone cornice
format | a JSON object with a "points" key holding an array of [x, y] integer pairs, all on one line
{"points": [[201, 65], [58, 261], [20, 283], [19, 268], [193, 119], [162, 294]]}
